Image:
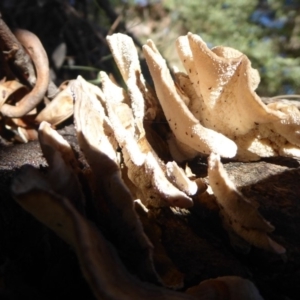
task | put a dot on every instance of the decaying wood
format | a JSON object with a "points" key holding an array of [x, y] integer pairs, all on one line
{"points": [[194, 239], [191, 241], [100, 264]]}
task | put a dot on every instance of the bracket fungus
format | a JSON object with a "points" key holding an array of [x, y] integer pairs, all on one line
{"points": [[210, 110], [238, 212], [214, 108], [186, 128], [108, 118]]}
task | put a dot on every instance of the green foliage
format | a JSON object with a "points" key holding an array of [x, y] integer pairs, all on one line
{"points": [[228, 23]]}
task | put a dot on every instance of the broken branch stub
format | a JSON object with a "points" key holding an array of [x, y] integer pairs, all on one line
{"points": [[16, 53]]}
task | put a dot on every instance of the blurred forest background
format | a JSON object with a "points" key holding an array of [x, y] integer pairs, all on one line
{"points": [[73, 32]]}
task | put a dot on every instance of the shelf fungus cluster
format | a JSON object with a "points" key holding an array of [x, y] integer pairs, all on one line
{"points": [[62, 204], [213, 107], [212, 110]]}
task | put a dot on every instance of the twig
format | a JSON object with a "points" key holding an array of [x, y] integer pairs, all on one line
{"points": [[14, 52], [40, 59]]}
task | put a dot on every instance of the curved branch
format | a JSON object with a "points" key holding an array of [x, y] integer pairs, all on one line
{"points": [[39, 57]]}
